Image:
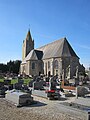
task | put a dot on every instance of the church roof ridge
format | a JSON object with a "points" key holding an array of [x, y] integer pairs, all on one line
{"points": [[58, 48], [53, 42]]}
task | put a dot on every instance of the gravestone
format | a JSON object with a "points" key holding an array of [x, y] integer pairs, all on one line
{"points": [[17, 86], [20, 81], [31, 83], [9, 87], [7, 82], [38, 85], [1, 84], [81, 91]]}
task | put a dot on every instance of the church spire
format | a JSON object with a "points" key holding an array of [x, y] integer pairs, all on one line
{"points": [[28, 36], [28, 45]]}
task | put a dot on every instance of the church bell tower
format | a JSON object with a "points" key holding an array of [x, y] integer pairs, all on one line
{"points": [[28, 45]]}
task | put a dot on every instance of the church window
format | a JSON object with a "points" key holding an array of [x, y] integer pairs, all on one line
{"points": [[48, 64], [46, 68], [56, 64], [56, 72], [33, 65]]}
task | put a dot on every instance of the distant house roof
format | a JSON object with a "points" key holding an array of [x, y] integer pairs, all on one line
{"points": [[59, 48]]}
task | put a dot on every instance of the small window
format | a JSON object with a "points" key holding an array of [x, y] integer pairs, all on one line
{"points": [[56, 64], [33, 65]]}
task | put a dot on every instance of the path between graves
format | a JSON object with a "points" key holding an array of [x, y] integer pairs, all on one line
{"points": [[43, 110]]}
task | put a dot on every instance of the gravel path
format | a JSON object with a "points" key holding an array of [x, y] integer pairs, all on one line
{"points": [[43, 110]]}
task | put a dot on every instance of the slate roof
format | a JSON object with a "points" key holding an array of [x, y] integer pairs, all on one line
{"points": [[59, 48], [39, 54], [28, 36], [34, 55]]}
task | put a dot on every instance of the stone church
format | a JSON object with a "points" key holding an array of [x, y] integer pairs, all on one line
{"points": [[56, 58]]}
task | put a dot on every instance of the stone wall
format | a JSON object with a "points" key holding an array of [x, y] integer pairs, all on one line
{"points": [[23, 68], [63, 65], [38, 67], [68, 67], [49, 66], [23, 50]]}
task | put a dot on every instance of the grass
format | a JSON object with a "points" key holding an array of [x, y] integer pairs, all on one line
{"points": [[13, 81], [1, 80], [26, 81]]}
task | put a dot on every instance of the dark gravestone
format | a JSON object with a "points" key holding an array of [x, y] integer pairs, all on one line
{"points": [[44, 83], [17, 86], [38, 85], [7, 82], [20, 81], [31, 83], [9, 87], [2, 90], [25, 87], [1, 84]]}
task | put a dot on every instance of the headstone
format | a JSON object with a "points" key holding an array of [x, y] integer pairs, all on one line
{"points": [[38, 85], [81, 91], [88, 115], [24, 87], [2, 90], [17, 86], [7, 82], [1, 84], [20, 81], [9, 87], [31, 83]]}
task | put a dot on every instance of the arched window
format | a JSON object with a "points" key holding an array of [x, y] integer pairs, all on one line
{"points": [[33, 65], [56, 64], [48, 64]]}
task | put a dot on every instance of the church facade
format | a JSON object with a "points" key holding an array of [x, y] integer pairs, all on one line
{"points": [[56, 58]]}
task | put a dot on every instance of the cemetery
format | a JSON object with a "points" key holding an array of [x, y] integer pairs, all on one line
{"points": [[19, 98], [48, 87]]}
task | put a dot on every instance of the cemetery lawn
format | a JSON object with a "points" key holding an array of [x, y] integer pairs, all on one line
{"points": [[1, 80], [13, 81], [26, 81]]}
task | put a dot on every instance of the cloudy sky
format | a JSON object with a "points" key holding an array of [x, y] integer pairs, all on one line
{"points": [[48, 20]]}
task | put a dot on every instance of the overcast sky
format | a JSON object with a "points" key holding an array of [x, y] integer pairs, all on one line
{"points": [[48, 20]]}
